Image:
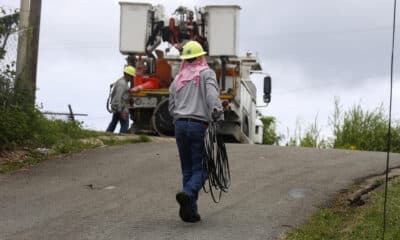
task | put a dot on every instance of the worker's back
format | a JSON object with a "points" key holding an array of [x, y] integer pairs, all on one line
{"points": [[195, 101], [120, 96]]}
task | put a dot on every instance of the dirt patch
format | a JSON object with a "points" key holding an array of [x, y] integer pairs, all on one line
{"points": [[19, 155], [359, 196]]}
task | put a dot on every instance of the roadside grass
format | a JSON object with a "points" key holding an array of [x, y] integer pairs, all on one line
{"points": [[344, 222], [68, 145]]}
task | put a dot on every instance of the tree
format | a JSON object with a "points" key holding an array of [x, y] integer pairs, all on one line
{"points": [[270, 136], [8, 25]]}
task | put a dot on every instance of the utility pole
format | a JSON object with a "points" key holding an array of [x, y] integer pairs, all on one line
{"points": [[28, 46]]}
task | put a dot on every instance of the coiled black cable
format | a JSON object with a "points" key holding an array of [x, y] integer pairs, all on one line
{"points": [[216, 163], [108, 104]]}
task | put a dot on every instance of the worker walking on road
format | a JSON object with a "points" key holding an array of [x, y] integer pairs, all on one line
{"points": [[119, 101], [193, 102]]}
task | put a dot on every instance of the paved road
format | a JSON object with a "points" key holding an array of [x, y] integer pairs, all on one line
{"points": [[134, 186]]}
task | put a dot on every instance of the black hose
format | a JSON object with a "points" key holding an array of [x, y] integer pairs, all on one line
{"points": [[216, 163], [108, 104]]}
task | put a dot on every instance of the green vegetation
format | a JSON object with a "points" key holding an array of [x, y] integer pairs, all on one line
{"points": [[310, 138], [23, 127], [355, 129], [270, 136], [363, 130], [8, 25], [354, 223]]}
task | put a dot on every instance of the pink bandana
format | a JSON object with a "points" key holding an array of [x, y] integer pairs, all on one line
{"points": [[190, 71]]}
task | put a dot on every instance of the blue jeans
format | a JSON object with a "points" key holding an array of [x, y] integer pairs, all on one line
{"points": [[117, 118], [190, 141]]}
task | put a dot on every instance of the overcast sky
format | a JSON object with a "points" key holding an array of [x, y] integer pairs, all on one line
{"points": [[314, 50]]}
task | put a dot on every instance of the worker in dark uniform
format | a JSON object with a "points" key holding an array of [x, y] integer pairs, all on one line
{"points": [[193, 102]]}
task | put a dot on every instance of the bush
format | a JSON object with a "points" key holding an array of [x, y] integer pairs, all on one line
{"points": [[310, 137], [28, 127], [363, 130], [21, 123], [396, 137], [355, 129], [270, 136]]}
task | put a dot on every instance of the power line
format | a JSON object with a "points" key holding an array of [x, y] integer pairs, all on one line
{"points": [[283, 35], [323, 33], [78, 47], [389, 137]]}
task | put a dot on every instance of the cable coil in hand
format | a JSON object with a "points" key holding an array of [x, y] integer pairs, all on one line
{"points": [[216, 163]]}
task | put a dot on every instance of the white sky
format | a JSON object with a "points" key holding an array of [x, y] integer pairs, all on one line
{"points": [[314, 50]]}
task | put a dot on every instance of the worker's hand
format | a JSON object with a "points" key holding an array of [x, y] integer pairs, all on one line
{"points": [[220, 124], [217, 115], [136, 89], [124, 115], [133, 90]]}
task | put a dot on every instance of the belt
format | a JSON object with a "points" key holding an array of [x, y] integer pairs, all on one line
{"points": [[192, 120]]}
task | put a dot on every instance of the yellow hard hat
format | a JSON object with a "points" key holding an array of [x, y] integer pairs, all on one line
{"points": [[130, 71], [192, 49]]}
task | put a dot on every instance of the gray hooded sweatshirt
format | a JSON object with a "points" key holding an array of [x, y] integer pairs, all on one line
{"points": [[120, 96], [196, 101]]}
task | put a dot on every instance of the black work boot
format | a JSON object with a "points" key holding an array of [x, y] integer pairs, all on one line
{"points": [[185, 203], [196, 217]]}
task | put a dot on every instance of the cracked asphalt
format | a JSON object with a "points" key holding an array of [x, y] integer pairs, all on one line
{"points": [[128, 192]]}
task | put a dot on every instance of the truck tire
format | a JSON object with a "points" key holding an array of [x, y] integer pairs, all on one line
{"points": [[161, 121]]}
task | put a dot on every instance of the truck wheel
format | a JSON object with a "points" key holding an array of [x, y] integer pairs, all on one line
{"points": [[161, 121]]}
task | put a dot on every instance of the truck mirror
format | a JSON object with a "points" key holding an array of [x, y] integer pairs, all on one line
{"points": [[267, 89]]}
